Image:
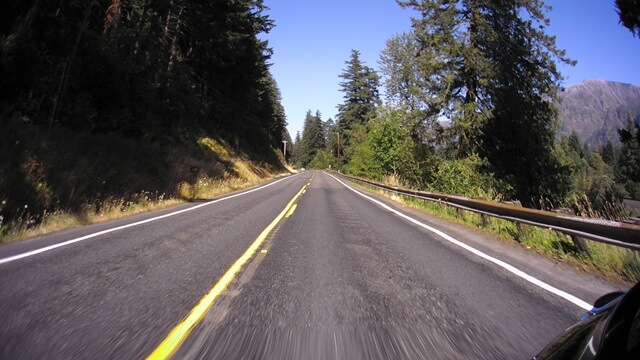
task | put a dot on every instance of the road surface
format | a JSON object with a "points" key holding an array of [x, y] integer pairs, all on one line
{"points": [[306, 267]]}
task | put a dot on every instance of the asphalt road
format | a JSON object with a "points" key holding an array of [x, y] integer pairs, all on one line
{"points": [[341, 277]]}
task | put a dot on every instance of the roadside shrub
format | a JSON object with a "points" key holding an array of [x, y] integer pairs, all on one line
{"points": [[466, 177]]}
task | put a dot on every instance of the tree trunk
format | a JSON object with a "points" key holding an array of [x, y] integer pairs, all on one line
{"points": [[174, 43], [62, 88]]}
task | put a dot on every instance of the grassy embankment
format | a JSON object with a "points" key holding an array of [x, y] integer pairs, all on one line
{"points": [[66, 178], [609, 261]]}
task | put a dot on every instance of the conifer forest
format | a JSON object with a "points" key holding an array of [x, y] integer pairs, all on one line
{"points": [[109, 99]]}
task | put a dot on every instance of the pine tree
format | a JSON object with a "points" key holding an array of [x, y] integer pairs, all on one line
{"points": [[318, 139], [453, 72], [295, 149], [173, 67], [360, 88], [629, 13], [491, 71], [627, 169], [313, 139], [408, 87], [361, 98], [518, 138], [608, 153]]}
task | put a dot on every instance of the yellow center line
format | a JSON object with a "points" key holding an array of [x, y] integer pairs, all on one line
{"points": [[293, 208], [179, 333]]}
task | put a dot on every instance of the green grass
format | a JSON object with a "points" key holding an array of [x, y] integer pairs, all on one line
{"points": [[67, 178], [608, 260], [114, 208]]}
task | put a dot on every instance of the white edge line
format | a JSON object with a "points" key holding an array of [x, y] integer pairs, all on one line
{"points": [[107, 231], [573, 299]]}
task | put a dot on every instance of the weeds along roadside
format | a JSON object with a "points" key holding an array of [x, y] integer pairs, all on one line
{"points": [[606, 260], [65, 178], [111, 209]]}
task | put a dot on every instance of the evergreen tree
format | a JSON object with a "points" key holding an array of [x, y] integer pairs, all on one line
{"points": [[156, 70], [328, 127], [492, 72], [629, 13], [453, 73], [519, 136], [313, 139], [407, 83], [275, 119], [608, 153], [627, 169], [318, 140], [331, 131], [295, 149], [361, 98]]}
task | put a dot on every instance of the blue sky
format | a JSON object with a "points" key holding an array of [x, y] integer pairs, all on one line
{"points": [[313, 39]]}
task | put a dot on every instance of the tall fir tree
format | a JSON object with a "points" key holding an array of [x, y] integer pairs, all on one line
{"points": [[518, 138], [173, 67], [627, 170], [451, 67], [489, 67], [295, 149], [608, 153], [313, 138], [629, 14], [359, 86], [408, 87]]}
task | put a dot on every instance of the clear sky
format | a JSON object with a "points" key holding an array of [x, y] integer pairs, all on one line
{"points": [[312, 40]]}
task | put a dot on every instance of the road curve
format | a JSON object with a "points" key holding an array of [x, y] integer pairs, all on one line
{"points": [[339, 276]]}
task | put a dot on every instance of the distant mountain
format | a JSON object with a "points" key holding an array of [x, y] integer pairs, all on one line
{"points": [[596, 109]]}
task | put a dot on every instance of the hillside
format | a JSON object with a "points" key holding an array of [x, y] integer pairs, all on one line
{"points": [[596, 109], [111, 104], [85, 178]]}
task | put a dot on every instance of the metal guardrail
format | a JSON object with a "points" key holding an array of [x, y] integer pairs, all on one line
{"points": [[605, 231]]}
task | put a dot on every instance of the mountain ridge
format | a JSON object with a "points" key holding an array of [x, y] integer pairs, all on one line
{"points": [[595, 109]]}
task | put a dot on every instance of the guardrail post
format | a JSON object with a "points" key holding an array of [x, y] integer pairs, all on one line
{"points": [[486, 221], [580, 243], [519, 226], [521, 231], [460, 213]]}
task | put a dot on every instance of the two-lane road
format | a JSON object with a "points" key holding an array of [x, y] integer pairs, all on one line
{"points": [[340, 275]]}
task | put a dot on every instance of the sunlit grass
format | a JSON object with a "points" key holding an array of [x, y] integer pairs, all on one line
{"points": [[216, 147], [238, 173], [608, 260], [119, 208]]}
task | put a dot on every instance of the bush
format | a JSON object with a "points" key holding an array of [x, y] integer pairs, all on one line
{"points": [[387, 150], [322, 160], [466, 177]]}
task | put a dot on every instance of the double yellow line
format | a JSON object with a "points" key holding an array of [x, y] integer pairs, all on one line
{"points": [[179, 333]]}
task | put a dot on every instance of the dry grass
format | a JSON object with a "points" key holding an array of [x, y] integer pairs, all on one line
{"points": [[206, 170], [90, 215], [116, 209], [606, 260]]}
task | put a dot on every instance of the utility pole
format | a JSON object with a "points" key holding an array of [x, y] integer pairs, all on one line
{"points": [[338, 148], [285, 150]]}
